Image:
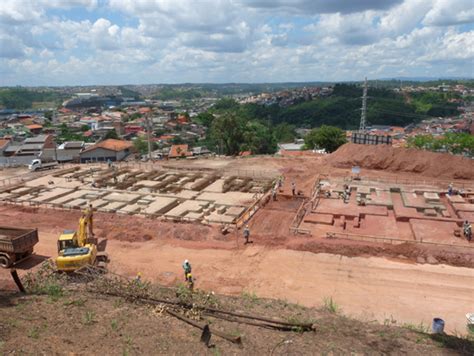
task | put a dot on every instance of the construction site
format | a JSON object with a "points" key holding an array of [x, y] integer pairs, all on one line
{"points": [[204, 196], [385, 241]]}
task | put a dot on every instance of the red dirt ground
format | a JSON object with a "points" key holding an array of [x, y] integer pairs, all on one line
{"points": [[392, 159]]}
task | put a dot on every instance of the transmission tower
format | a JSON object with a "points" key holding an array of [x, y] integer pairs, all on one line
{"points": [[148, 129], [363, 115]]}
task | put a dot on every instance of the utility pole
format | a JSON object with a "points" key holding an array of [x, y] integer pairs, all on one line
{"points": [[363, 115], [148, 129]]}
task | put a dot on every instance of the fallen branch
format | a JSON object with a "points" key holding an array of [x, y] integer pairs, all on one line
{"points": [[17, 280], [280, 324], [247, 322], [233, 339]]}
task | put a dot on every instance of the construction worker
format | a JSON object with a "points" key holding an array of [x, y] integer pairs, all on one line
{"points": [[138, 278], [246, 234], [467, 229], [187, 269], [293, 188], [190, 281]]}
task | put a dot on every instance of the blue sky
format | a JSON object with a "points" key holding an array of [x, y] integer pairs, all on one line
{"points": [[88, 42]]}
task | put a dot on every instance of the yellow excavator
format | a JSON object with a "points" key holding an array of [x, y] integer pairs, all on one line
{"points": [[77, 249]]}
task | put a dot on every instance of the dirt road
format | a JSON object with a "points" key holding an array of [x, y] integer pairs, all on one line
{"points": [[367, 288]]}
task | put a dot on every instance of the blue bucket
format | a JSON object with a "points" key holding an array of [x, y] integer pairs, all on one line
{"points": [[438, 326]]}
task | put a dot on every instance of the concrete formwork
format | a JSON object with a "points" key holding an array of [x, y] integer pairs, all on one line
{"points": [[190, 195], [390, 212]]}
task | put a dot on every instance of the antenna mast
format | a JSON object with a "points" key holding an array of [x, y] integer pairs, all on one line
{"points": [[363, 115]]}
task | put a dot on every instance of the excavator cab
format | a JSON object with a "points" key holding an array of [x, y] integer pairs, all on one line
{"points": [[66, 240]]}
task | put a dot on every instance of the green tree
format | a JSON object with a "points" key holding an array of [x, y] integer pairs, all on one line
{"points": [[111, 134], [327, 137], [85, 128], [48, 115], [258, 139], [227, 132], [226, 104], [204, 118], [140, 145], [177, 140], [284, 133]]}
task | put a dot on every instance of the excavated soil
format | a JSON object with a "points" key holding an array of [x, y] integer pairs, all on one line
{"points": [[269, 227], [382, 157]]}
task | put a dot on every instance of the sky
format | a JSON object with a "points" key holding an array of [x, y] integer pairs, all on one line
{"points": [[109, 42]]}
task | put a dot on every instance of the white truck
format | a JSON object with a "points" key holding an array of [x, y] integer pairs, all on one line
{"points": [[38, 165]]}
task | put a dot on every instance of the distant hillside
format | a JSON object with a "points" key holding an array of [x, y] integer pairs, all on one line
{"points": [[20, 98], [342, 109]]}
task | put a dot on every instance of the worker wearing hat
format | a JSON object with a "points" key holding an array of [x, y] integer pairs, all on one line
{"points": [[187, 269], [190, 280], [246, 234], [138, 278]]}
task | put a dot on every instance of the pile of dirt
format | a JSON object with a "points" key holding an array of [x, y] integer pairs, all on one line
{"points": [[402, 160]]}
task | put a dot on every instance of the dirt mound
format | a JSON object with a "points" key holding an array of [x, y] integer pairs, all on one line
{"points": [[392, 159]]}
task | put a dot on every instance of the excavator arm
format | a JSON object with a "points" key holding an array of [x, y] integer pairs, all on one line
{"points": [[82, 232]]}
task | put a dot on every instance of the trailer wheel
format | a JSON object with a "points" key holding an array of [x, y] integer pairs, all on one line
{"points": [[5, 262]]}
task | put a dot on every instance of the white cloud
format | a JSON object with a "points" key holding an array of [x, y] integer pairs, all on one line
{"points": [[446, 12], [231, 40]]}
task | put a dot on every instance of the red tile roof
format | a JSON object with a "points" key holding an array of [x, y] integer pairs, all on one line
{"points": [[3, 142], [111, 145], [179, 151], [144, 110], [34, 127]]}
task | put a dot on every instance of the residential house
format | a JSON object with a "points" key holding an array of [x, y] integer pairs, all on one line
{"points": [[34, 146], [111, 149], [179, 151], [66, 152], [35, 129], [200, 151]]}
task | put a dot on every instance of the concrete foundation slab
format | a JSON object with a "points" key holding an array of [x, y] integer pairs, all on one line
{"points": [[67, 198], [99, 203], [456, 199], [235, 211], [130, 209], [463, 207], [194, 216], [326, 219], [51, 194], [161, 205], [222, 219], [430, 212], [122, 197], [431, 197], [76, 203], [147, 183], [113, 206], [216, 187], [229, 198], [184, 208]]}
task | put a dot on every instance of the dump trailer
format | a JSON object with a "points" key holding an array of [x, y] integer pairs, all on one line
{"points": [[16, 244]]}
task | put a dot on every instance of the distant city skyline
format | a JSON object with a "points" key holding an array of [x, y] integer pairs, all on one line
{"points": [[109, 42]]}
